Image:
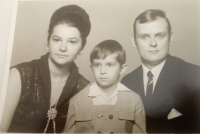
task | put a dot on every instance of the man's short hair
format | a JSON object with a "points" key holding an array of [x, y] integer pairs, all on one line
{"points": [[151, 15], [106, 48]]}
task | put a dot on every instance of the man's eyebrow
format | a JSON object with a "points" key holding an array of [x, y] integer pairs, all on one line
{"points": [[160, 33], [143, 34]]}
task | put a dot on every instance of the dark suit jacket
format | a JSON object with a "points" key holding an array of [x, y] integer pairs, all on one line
{"points": [[178, 87]]}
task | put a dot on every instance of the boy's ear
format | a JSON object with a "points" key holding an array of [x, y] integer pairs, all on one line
{"points": [[123, 69], [133, 41]]}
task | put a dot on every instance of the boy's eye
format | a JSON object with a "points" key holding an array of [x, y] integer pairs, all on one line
{"points": [[96, 65], [110, 65], [144, 37]]}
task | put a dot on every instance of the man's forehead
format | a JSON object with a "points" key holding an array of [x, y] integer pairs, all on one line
{"points": [[155, 26]]}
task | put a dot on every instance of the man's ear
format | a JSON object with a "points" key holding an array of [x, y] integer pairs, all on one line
{"points": [[133, 41], [123, 69], [171, 37]]}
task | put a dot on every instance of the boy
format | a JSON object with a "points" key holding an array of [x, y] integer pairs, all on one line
{"points": [[106, 106]]}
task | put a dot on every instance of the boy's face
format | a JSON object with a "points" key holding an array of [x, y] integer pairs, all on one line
{"points": [[107, 71]]}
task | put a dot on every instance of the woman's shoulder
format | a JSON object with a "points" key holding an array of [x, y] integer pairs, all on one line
{"points": [[83, 80], [32, 63], [32, 68]]}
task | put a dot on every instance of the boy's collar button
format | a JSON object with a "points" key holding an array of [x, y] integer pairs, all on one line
{"points": [[111, 116], [99, 116]]}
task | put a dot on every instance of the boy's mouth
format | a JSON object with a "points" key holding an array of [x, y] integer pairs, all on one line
{"points": [[103, 78]]}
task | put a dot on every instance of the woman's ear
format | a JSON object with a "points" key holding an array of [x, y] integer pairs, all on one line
{"points": [[80, 53], [47, 48], [123, 69]]}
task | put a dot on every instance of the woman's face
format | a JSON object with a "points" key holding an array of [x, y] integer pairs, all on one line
{"points": [[65, 43]]}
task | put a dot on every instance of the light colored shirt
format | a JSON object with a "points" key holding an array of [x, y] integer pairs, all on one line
{"points": [[99, 98], [155, 71]]}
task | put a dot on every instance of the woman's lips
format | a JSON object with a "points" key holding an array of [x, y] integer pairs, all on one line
{"points": [[61, 55]]}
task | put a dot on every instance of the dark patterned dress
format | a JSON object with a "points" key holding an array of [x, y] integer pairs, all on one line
{"points": [[31, 113]]}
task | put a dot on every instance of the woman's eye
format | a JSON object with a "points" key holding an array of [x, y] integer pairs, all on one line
{"points": [[56, 40], [73, 42]]}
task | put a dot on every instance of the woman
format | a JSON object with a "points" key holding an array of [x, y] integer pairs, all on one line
{"points": [[39, 91]]}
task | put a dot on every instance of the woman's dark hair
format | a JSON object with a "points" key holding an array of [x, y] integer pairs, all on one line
{"points": [[74, 16]]}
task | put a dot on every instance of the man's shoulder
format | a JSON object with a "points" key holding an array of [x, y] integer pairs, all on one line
{"points": [[181, 64]]}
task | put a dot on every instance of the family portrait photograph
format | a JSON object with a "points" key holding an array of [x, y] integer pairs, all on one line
{"points": [[100, 66]]}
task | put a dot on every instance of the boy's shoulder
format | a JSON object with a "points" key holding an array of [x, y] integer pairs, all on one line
{"points": [[129, 94]]}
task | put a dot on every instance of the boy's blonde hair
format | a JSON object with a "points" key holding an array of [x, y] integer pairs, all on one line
{"points": [[106, 48]]}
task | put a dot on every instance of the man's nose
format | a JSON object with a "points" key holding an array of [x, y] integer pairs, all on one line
{"points": [[153, 42]]}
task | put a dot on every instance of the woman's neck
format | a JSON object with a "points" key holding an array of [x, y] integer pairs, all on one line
{"points": [[58, 72]]}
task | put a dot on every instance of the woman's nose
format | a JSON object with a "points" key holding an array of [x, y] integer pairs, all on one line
{"points": [[63, 47]]}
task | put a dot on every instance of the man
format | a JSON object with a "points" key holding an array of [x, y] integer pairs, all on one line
{"points": [[168, 86]]}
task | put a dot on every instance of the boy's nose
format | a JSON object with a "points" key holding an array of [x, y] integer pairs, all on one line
{"points": [[103, 70]]}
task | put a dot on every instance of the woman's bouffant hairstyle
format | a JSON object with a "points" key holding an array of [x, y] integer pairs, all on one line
{"points": [[106, 48], [74, 16]]}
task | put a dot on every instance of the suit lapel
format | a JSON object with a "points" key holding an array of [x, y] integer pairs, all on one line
{"points": [[164, 89]]}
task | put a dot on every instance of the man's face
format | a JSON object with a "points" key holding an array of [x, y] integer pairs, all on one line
{"points": [[152, 40]]}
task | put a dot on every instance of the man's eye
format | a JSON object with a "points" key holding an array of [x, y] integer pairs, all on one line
{"points": [[160, 36], [144, 37]]}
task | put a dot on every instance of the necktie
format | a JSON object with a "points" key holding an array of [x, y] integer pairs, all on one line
{"points": [[149, 86]]}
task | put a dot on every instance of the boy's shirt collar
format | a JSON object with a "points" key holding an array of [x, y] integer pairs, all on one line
{"points": [[95, 91]]}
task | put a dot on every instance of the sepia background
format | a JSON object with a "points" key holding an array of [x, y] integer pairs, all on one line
{"points": [[110, 19]]}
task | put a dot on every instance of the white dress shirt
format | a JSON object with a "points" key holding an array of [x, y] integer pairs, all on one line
{"points": [[99, 98], [155, 71]]}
